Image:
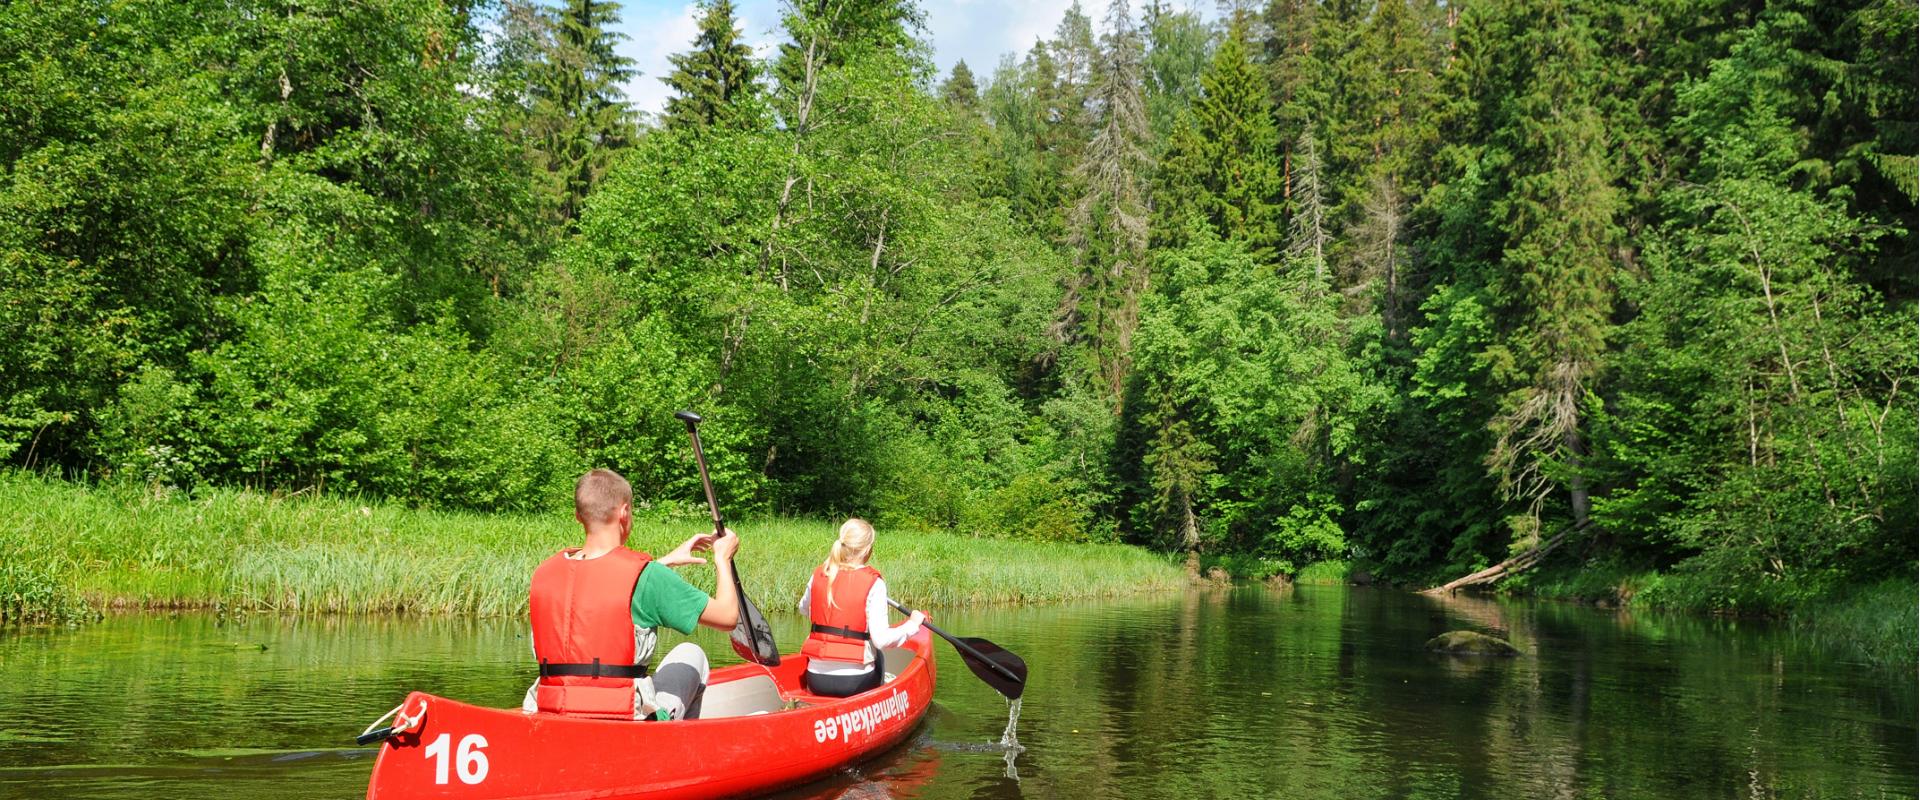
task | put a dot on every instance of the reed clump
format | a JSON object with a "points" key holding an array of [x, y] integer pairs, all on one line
{"points": [[68, 549]]}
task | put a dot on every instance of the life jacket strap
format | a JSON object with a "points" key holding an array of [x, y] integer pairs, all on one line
{"points": [[594, 670], [835, 630]]}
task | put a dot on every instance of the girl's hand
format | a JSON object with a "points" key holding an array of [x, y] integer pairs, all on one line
{"points": [[917, 617]]}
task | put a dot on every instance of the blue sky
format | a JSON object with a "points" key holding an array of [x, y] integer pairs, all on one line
{"points": [[977, 31]]}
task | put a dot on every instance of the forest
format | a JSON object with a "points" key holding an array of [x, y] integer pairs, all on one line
{"points": [[1412, 284]]}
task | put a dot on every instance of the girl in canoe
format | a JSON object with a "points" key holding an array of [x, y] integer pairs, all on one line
{"points": [[847, 602]]}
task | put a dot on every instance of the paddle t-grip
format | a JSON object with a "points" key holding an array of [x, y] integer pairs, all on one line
{"points": [[700, 460]]}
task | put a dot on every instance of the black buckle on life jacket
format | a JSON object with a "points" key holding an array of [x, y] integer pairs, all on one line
{"points": [[594, 670], [833, 630]]}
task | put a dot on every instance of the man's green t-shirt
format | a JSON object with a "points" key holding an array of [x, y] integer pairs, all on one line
{"points": [[662, 597]]}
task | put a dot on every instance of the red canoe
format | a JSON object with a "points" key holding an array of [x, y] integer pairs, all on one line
{"points": [[758, 732]]}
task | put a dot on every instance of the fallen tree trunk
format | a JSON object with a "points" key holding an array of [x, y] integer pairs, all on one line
{"points": [[1512, 565]]}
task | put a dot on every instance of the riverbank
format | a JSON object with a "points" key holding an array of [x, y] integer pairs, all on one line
{"points": [[1878, 622], [69, 550]]}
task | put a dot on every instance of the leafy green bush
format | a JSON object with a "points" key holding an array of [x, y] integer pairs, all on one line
{"points": [[1244, 396], [1032, 505]]}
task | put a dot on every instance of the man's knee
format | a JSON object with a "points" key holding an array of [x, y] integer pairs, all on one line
{"points": [[689, 654], [680, 679]]}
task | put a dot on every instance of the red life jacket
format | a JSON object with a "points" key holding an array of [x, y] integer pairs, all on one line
{"points": [[839, 630], [583, 633]]}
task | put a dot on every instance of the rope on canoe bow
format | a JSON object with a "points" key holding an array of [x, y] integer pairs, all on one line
{"points": [[402, 722]]}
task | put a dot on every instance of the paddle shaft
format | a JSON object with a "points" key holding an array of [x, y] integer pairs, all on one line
{"points": [[700, 460], [747, 612], [963, 647]]}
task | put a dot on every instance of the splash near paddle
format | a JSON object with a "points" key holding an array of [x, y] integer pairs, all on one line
{"points": [[752, 637]]}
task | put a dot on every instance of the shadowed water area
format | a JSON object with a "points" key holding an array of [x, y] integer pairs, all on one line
{"points": [[1307, 693]]}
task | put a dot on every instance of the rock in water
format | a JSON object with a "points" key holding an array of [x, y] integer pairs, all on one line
{"points": [[1471, 643]]}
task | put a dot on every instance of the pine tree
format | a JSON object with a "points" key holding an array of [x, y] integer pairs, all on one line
{"points": [[1074, 52], [959, 90], [1291, 61], [1107, 229], [1387, 90], [717, 83], [1070, 59], [1179, 45]]}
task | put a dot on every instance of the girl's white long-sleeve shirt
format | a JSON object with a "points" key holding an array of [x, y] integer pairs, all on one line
{"points": [[883, 635]]}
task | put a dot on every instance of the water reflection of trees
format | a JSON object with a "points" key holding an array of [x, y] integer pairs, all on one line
{"points": [[1322, 692], [1328, 692]]}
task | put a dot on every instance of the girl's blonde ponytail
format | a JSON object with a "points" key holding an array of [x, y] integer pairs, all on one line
{"points": [[850, 551]]}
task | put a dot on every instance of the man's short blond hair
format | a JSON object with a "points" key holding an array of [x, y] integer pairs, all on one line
{"points": [[600, 494]]}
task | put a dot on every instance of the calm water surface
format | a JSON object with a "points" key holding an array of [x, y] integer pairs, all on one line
{"points": [[1306, 694]]}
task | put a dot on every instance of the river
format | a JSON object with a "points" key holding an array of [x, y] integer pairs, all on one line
{"points": [[1303, 693]]}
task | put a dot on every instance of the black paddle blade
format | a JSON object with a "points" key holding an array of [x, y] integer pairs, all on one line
{"points": [[752, 636], [1013, 664]]}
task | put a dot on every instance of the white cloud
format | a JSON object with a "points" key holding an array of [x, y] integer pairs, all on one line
{"points": [[979, 31]]}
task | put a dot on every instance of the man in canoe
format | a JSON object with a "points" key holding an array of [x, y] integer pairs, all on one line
{"points": [[596, 610]]}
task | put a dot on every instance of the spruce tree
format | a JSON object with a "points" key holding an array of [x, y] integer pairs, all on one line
{"points": [[1559, 223], [579, 112], [1055, 143], [717, 82], [1227, 157], [1107, 229], [959, 90]]}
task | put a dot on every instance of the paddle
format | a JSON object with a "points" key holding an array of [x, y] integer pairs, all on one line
{"points": [[1002, 670], [752, 636]]}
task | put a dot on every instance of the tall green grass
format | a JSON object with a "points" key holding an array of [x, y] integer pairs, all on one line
{"points": [[1880, 622], [66, 548], [1324, 573]]}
